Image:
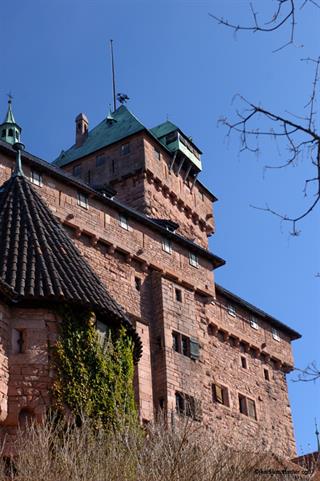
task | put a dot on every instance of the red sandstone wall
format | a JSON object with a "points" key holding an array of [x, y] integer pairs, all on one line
{"points": [[118, 256], [146, 183]]}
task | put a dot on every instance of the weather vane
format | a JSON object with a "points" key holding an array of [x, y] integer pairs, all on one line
{"points": [[10, 96]]}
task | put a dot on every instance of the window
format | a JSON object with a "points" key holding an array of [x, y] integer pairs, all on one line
{"points": [[231, 310], [100, 160], [266, 374], [185, 345], [254, 323], [156, 154], [176, 341], [18, 341], [275, 335], [102, 332], [171, 137], [76, 171], [3, 133], [83, 200], [166, 245], [247, 406], [220, 395], [187, 405], [125, 149], [137, 283], [26, 417], [193, 259], [10, 133], [244, 363], [178, 295], [36, 178], [123, 221]]}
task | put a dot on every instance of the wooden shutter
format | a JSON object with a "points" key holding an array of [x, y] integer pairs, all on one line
{"points": [[251, 409], [218, 394], [194, 348]]}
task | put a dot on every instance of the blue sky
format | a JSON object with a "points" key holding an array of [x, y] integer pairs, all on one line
{"points": [[174, 61]]}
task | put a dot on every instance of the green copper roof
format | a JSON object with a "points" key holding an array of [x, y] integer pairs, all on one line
{"points": [[9, 119], [164, 129], [106, 133]]}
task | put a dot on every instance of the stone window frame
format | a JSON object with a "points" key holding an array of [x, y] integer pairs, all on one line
{"points": [[231, 309], [18, 337], [193, 260], [188, 406], [178, 295], [222, 397], [244, 362], [125, 149], [100, 160], [156, 154], [275, 334], [36, 178], [254, 323], [137, 283], [77, 170], [247, 406], [123, 222], [167, 245], [266, 374], [83, 200]]}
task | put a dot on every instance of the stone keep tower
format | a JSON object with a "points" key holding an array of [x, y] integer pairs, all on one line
{"points": [[153, 170]]}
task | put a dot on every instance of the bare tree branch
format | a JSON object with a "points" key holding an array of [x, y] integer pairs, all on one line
{"points": [[283, 14], [310, 373]]}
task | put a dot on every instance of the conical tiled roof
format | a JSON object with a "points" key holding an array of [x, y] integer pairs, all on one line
{"points": [[38, 261]]}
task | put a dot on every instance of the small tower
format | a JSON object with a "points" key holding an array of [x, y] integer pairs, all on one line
{"points": [[9, 129]]}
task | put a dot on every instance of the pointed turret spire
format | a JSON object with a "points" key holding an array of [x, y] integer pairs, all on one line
{"points": [[9, 130]]}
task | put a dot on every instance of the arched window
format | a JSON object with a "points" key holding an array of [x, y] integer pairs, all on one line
{"points": [[3, 133], [26, 417], [17, 135], [10, 133]]}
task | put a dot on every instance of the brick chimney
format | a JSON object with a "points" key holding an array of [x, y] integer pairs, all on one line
{"points": [[82, 125]]}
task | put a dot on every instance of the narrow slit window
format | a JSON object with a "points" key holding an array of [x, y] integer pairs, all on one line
{"points": [[244, 363], [137, 283], [266, 374], [178, 295]]}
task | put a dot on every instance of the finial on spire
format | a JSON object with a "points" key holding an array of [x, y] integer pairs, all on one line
{"points": [[9, 129], [18, 147]]}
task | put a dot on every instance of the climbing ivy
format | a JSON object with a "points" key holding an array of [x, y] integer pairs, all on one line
{"points": [[94, 377]]}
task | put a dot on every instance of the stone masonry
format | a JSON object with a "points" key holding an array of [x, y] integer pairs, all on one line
{"points": [[207, 353]]}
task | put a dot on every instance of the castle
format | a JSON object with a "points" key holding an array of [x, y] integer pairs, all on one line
{"points": [[120, 222]]}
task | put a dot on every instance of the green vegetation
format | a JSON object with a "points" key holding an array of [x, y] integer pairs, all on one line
{"points": [[94, 373]]}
